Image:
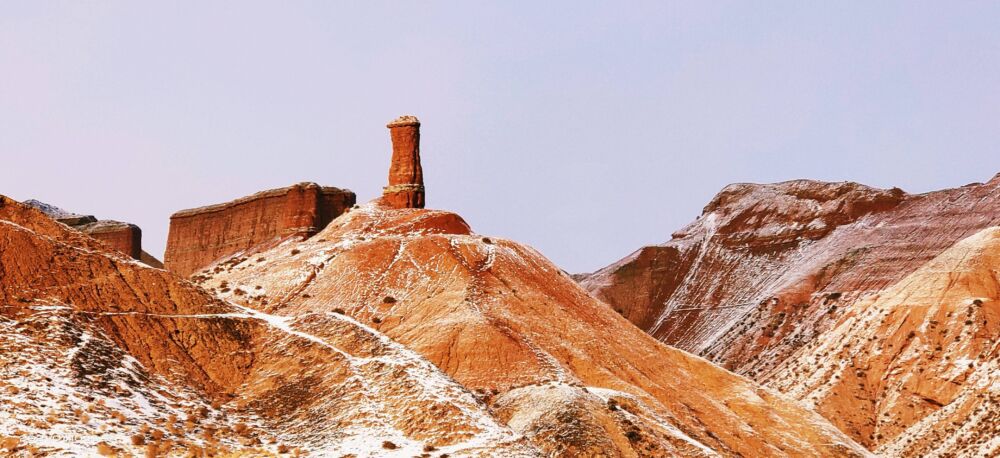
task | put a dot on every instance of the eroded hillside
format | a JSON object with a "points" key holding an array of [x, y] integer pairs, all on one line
{"points": [[101, 352], [769, 272]]}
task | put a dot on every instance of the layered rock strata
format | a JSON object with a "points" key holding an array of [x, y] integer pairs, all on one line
{"points": [[123, 237], [915, 368], [768, 270], [406, 177], [201, 235]]}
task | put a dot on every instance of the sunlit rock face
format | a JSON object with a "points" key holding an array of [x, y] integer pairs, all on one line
{"points": [[389, 333], [124, 237], [201, 235], [406, 177]]}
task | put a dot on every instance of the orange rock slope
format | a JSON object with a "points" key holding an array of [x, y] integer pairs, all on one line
{"points": [[552, 362], [101, 354], [914, 368], [768, 270]]}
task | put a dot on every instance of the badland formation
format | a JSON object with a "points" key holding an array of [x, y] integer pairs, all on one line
{"points": [[791, 319]]}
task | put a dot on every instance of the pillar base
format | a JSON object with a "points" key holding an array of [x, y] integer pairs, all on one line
{"points": [[403, 196]]}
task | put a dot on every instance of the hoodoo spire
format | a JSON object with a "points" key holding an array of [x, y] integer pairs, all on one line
{"points": [[406, 177]]}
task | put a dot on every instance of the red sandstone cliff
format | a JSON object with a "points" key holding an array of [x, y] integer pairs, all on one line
{"points": [[124, 237], [202, 235], [767, 270]]}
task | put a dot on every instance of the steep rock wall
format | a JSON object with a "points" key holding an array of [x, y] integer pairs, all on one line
{"points": [[124, 237], [201, 235], [915, 368]]}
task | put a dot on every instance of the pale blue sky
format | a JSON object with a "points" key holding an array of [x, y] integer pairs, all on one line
{"points": [[583, 129]]}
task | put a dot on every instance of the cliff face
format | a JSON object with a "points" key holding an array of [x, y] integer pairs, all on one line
{"points": [[201, 235], [120, 236], [769, 269], [124, 237], [100, 355], [553, 363]]}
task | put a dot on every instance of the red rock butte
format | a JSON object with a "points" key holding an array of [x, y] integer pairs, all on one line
{"points": [[199, 236], [406, 177], [123, 237]]}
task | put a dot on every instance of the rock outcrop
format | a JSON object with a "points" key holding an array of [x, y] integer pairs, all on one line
{"points": [[201, 235], [914, 369], [406, 177], [726, 262], [552, 362], [767, 270], [124, 237], [100, 355]]}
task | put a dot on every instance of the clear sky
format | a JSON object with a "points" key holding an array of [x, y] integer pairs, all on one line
{"points": [[583, 129]]}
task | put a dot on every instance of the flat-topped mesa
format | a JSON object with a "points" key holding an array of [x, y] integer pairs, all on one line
{"points": [[202, 235], [406, 177]]}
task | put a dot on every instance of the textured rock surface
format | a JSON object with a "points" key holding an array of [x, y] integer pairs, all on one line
{"points": [[406, 177], [124, 237], [769, 269], [555, 364], [725, 262], [96, 349], [201, 235], [915, 367]]}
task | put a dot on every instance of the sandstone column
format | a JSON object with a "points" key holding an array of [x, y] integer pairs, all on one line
{"points": [[406, 178]]}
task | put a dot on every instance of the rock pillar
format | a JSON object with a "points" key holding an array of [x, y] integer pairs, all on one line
{"points": [[406, 177]]}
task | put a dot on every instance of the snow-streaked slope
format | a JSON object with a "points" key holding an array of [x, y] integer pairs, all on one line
{"points": [[138, 346], [67, 387], [769, 270], [504, 321], [915, 368], [351, 385]]}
